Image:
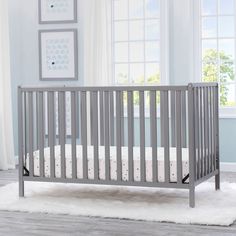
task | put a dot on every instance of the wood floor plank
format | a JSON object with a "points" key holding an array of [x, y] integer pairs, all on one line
{"points": [[19, 223]]}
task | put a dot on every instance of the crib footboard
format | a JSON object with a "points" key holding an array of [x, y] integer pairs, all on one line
{"points": [[149, 136]]}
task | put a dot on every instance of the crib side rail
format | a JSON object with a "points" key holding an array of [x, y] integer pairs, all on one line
{"points": [[112, 117], [206, 130]]}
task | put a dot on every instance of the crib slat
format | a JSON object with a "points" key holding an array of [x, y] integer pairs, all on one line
{"points": [[95, 134], [122, 119], [142, 137], [37, 121], [90, 100], [51, 132], [31, 134], [162, 104], [25, 118], [173, 135], [202, 132], [196, 99], [101, 103], [209, 130], [112, 121], [118, 135], [205, 131], [84, 133], [107, 138], [196, 131], [73, 134], [62, 132], [184, 119], [166, 136], [179, 137], [130, 135], [153, 132], [41, 132]]}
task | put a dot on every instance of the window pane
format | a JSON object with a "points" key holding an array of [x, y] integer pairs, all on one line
{"points": [[136, 30], [121, 73], [137, 52], [152, 51], [227, 95], [226, 7], [208, 47], [209, 7], [210, 71], [226, 26], [121, 31], [227, 49], [152, 29], [152, 73], [120, 9], [136, 9], [227, 71], [152, 8], [209, 27], [121, 52], [137, 73]]}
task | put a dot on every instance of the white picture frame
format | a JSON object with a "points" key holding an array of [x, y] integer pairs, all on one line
{"points": [[57, 11], [58, 55]]}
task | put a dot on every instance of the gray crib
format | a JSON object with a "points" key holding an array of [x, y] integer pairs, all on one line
{"points": [[149, 136]]}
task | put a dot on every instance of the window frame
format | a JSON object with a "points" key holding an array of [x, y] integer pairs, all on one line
{"points": [[224, 112], [164, 43]]}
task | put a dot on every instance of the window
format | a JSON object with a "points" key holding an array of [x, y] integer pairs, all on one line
{"points": [[137, 41], [218, 47]]}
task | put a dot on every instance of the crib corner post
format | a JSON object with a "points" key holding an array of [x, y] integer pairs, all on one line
{"points": [[192, 196], [20, 143], [21, 188], [217, 176], [191, 131]]}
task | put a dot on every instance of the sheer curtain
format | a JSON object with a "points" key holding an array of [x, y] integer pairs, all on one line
{"points": [[6, 126], [97, 42]]}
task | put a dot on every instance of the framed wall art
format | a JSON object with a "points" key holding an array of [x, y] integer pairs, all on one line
{"points": [[57, 11], [58, 54]]}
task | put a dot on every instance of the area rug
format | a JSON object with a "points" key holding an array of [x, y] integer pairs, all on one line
{"points": [[148, 204]]}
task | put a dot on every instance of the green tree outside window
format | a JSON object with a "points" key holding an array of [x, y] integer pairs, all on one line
{"points": [[223, 73]]}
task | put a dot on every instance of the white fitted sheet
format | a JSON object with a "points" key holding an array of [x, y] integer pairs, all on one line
{"points": [[113, 166]]}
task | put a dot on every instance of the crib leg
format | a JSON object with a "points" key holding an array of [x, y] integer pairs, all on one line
{"points": [[21, 188], [192, 197], [217, 181]]}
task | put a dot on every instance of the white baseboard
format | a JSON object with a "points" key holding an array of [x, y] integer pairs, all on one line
{"points": [[228, 166], [16, 160]]}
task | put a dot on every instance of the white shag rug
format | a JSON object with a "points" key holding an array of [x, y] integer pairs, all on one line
{"points": [[149, 204]]}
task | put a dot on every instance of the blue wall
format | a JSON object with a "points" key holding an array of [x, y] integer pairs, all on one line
{"points": [[23, 17], [25, 70], [228, 140]]}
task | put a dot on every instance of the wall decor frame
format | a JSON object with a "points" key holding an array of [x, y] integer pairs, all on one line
{"points": [[58, 55], [57, 11]]}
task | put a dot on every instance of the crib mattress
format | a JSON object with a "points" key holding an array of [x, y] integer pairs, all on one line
{"points": [[113, 163]]}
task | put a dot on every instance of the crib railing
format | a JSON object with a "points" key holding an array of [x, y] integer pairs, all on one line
{"points": [[157, 117], [206, 130]]}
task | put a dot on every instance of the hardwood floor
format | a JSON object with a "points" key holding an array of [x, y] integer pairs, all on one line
{"points": [[17, 223]]}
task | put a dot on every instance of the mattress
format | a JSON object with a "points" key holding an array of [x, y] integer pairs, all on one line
{"points": [[113, 163]]}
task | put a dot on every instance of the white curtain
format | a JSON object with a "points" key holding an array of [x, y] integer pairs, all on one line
{"points": [[97, 42], [6, 125]]}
